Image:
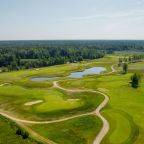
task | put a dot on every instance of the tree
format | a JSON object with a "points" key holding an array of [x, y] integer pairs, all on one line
{"points": [[135, 79], [120, 62], [125, 68]]}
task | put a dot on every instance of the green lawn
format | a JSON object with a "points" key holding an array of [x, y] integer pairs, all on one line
{"points": [[125, 110], [55, 103]]}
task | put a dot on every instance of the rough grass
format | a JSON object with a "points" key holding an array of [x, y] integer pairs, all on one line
{"points": [[137, 66], [81, 130], [8, 133]]}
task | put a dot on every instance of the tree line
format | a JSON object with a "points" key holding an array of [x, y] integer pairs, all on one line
{"points": [[15, 55], [131, 59], [27, 56]]}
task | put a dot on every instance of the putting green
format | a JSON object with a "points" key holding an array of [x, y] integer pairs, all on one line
{"points": [[55, 103], [122, 128]]}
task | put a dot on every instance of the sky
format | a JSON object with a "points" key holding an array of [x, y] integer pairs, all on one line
{"points": [[71, 19]]}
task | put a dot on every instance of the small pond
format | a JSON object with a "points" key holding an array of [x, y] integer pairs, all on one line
{"points": [[43, 78], [94, 70]]}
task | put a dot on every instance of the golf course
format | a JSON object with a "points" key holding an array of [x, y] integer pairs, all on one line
{"points": [[95, 108], [71, 71]]}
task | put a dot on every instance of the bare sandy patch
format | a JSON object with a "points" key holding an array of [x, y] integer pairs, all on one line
{"points": [[33, 102], [3, 84], [73, 100]]}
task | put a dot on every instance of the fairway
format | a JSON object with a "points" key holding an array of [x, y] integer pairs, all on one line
{"points": [[71, 72], [67, 109]]}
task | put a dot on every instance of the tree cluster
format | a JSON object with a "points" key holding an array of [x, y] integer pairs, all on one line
{"points": [[27, 56], [16, 55]]}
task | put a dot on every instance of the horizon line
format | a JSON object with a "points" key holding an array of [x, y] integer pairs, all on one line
{"points": [[72, 40]]}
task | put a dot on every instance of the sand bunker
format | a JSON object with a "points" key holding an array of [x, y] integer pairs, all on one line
{"points": [[72, 100], [33, 103], [3, 84]]}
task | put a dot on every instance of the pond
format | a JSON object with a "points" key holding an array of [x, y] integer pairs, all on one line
{"points": [[94, 70], [43, 78]]}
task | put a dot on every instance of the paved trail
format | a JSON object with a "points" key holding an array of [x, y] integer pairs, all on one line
{"points": [[102, 132]]}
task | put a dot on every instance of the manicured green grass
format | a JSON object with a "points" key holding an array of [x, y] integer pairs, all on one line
{"points": [[123, 99], [125, 110], [59, 70], [8, 133], [81, 130], [55, 103], [122, 130]]}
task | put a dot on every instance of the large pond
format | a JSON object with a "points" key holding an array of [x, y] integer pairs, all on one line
{"points": [[94, 70]]}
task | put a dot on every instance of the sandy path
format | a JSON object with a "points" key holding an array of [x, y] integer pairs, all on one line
{"points": [[102, 132], [106, 126], [43, 122], [113, 70], [104, 129], [36, 135]]}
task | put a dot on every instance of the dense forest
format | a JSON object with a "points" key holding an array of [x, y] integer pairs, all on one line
{"points": [[15, 55]]}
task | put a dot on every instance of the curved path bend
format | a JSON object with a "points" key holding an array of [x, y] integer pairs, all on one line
{"points": [[105, 127], [43, 122]]}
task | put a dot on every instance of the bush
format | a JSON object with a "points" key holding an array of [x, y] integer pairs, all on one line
{"points": [[19, 131], [135, 79], [25, 135]]}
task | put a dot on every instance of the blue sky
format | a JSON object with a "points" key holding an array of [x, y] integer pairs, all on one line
{"points": [[71, 19]]}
